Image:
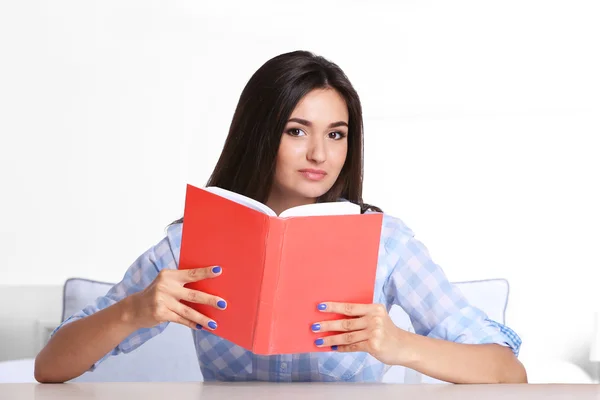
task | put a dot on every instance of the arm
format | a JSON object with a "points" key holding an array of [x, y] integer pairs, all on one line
{"points": [[448, 328], [479, 363], [454, 342], [100, 330], [81, 344], [371, 330], [133, 311]]}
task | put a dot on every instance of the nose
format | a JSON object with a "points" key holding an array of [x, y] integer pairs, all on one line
{"points": [[316, 151]]}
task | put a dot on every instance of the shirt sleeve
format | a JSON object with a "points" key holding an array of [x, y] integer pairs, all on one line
{"points": [[436, 307], [137, 277]]}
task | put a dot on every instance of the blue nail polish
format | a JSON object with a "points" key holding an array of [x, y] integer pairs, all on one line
{"points": [[322, 306], [319, 342], [316, 327], [212, 325], [198, 326], [334, 347], [221, 304], [216, 270]]}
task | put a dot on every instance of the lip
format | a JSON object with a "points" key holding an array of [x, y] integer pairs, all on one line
{"points": [[313, 174]]}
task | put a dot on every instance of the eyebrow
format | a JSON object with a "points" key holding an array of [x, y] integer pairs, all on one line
{"points": [[309, 124]]}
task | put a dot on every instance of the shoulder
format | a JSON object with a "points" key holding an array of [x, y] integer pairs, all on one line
{"points": [[394, 232], [165, 253], [393, 229], [174, 233], [398, 248]]}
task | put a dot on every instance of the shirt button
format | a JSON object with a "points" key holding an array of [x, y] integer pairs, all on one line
{"points": [[283, 366]]}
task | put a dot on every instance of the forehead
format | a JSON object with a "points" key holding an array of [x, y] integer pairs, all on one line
{"points": [[324, 105]]}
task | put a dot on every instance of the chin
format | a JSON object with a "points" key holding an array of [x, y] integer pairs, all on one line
{"points": [[312, 190]]}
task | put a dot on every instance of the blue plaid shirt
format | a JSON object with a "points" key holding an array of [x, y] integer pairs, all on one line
{"points": [[406, 276]]}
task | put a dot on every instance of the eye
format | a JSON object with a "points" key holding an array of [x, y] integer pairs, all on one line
{"points": [[295, 132], [336, 135]]}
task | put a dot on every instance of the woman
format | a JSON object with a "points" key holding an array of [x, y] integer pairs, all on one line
{"points": [[296, 138]]}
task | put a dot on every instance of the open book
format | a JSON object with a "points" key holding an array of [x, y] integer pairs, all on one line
{"points": [[332, 208], [277, 269]]}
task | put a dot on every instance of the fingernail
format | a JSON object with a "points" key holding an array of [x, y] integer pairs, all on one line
{"points": [[334, 347], [212, 325], [198, 326], [216, 270], [316, 327], [322, 306], [319, 342], [221, 304]]}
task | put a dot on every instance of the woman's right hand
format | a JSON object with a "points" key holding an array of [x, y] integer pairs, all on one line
{"points": [[160, 301]]}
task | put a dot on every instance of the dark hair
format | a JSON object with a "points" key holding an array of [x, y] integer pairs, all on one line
{"points": [[247, 162]]}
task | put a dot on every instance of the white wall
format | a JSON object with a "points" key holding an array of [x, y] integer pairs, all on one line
{"points": [[481, 129]]}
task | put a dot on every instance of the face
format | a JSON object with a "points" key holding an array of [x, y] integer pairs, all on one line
{"points": [[313, 147]]}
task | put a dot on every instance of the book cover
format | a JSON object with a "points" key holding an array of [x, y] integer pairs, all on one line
{"points": [[277, 269]]}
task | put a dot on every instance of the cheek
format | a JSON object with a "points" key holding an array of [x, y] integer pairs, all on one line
{"points": [[339, 156], [286, 157], [296, 150], [289, 153]]}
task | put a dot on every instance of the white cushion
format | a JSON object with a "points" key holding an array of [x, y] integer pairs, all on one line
{"points": [[489, 295], [79, 292]]}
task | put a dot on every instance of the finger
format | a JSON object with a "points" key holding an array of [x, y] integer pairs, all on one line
{"points": [[174, 317], [189, 313], [343, 338], [350, 309], [341, 325], [348, 348], [197, 274], [196, 296]]}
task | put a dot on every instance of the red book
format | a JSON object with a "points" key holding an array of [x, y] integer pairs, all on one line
{"points": [[277, 269]]}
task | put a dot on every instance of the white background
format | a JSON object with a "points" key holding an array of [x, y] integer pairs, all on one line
{"points": [[482, 124]]}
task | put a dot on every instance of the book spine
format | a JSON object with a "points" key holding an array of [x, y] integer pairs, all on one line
{"points": [[265, 323]]}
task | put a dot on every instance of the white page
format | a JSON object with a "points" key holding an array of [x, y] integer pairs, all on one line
{"points": [[240, 199], [333, 208]]}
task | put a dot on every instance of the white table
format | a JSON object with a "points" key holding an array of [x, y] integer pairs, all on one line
{"points": [[291, 391]]}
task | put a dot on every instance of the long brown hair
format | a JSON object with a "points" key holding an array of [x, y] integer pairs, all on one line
{"points": [[247, 161]]}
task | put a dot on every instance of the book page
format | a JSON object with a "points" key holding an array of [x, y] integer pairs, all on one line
{"points": [[331, 208], [241, 199]]}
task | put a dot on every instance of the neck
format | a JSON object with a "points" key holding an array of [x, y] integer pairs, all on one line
{"points": [[279, 203]]}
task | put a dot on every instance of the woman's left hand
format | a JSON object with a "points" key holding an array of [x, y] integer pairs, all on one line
{"points": [[370, 329]]}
